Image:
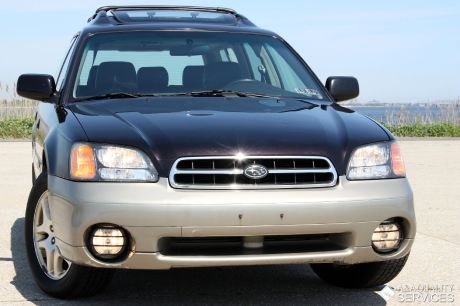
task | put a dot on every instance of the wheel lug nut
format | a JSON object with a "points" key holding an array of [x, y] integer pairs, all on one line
{"points": [[51, 228], [53, 240]]}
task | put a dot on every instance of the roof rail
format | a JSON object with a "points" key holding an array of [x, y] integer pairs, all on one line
{"points": [[167, 7], [101, 12]]}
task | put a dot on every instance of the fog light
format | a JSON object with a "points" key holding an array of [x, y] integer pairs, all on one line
{"points": [[387, 237], [108, 242]]}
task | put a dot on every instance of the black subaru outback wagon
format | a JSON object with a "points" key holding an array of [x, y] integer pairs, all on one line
{"points": [[189, 137]]}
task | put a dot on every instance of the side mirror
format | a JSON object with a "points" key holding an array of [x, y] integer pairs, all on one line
{"points": [[342, 88], [36, 86]]}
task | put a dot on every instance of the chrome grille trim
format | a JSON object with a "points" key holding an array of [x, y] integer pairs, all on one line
{"points": [[239, 171], [210, 171]]}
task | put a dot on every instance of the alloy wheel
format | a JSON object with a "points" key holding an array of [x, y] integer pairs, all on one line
{"points": [[48, 254]]}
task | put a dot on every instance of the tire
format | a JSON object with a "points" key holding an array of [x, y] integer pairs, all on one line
{"points": [[364, 275], [64, 280], [33, 174]]}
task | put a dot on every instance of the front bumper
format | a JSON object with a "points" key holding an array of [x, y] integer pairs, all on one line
{"points": [[151, 211]]}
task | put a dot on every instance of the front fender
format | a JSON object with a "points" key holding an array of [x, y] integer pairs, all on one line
{"points": [[59, 141]]}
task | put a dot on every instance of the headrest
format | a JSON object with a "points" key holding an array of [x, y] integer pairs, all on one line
{"points": [[192, 77], [152, 79], [116, 76], [91, 83]]}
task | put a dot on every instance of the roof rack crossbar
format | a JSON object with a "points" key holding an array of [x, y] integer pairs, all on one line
{"points": [[102, 11], [167, 7]]}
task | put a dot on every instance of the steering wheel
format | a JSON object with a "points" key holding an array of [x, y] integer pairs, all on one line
{"points": [[237, 82], [243, 85]]}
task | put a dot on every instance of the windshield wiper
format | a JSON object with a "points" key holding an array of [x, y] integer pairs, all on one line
{"points": [[114, 95], [204, 93], [224, 92]]}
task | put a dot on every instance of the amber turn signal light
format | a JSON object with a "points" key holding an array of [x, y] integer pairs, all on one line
{"points": [[397, 162], [82, 162]]}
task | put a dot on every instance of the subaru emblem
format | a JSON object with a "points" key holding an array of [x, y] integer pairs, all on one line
{"points": [[255, 171]]}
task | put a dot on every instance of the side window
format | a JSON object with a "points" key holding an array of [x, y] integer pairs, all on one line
{"points": [[228, 55], [63, 71], [257, 69], [223, 55], [269, 68]]}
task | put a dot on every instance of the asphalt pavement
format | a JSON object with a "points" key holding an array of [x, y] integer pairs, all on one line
{"points": [[431, 275]]}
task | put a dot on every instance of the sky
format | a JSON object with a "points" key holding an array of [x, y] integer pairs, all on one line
{"points": [[400, 51]]}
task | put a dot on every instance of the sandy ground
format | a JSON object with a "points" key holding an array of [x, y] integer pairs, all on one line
{"points": [[433, 268]]}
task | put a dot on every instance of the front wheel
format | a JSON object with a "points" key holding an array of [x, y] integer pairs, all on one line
{"points": [[364, 275], [52, 272]]}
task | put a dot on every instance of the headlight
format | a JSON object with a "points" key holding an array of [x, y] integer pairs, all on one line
{"points": [[97, 162], [376, 161]]}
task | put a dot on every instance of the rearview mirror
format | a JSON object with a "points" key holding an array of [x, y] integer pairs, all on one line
{"points": [[342, 87], [36, 86]]}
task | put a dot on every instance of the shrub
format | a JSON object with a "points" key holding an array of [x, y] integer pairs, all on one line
{"points": [[16, 128], [443, 129]]}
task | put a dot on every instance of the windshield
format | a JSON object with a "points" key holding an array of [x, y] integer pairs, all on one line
{"points": [[167, 62]]}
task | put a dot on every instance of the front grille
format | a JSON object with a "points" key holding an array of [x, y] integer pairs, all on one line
{"points": [[228, 172], [233, 245]]}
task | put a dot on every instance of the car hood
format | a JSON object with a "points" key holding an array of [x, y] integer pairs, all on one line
{"points": [[167, 128]]}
